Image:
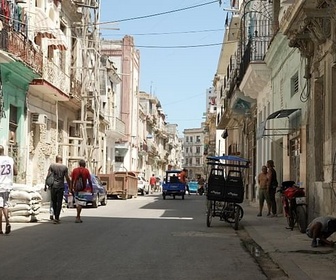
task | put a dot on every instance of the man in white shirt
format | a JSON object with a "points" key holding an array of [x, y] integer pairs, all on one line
{"points": [[7, 171]]}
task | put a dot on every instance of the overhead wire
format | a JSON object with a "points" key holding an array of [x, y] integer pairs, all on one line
{"points": [[165, 33], [159, 14]]}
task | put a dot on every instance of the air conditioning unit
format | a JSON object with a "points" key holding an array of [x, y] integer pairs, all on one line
{"points": [[39, 118]]}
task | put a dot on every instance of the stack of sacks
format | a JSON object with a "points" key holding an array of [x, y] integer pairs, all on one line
{"points": [[24, 204]]}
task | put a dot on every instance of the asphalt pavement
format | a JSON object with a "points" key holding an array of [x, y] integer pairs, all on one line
{"points": [[291, 250]]}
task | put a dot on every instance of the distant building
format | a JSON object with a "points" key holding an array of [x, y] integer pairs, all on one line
{"points": [[193, 151]]}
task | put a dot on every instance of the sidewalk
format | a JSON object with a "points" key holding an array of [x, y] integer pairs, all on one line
{"points": [[291, 250], [43, 217]]}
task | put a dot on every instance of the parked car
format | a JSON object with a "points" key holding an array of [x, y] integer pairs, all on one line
{"points": [[143, 185], [99, 193]]}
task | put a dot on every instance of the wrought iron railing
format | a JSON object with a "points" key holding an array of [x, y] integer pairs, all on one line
{"points": [[16, 43], [255, 50], [53, 74]]}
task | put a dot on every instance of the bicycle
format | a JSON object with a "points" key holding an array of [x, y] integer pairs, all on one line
{"points": [[225, 194]]}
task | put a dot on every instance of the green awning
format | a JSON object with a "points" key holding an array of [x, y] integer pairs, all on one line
{"points": [[17, 73]]}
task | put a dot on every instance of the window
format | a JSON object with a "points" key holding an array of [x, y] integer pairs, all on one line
{"points": [[191, 139], [294, 84], [198, 139], [198, 161], [186, 150], [198, 150], [50, 52], [187, 139], [119, 159], [13, 123]]}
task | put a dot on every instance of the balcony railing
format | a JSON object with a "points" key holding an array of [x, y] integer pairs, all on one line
{"points": [[53, 74], [255, 50], [117, 128], [15, 43], [119, 125]]}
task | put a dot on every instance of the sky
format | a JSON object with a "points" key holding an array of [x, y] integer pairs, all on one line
{"points": [[179, 50]]}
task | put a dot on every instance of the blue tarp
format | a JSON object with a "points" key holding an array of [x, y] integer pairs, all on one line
{"points": [[225, 157], [228, 160]]}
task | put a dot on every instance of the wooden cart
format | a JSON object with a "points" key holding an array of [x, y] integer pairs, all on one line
{"points": [[121, 184]]}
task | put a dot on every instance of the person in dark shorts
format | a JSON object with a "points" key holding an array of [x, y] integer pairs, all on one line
{"points": [[272, 185]]}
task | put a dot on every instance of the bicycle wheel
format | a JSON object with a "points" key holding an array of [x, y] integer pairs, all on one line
{"points": [[301, 218], [237, 216], [209, 212], [291, 218], [229, 213]]}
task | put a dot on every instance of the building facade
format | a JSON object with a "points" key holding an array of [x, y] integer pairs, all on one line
{"points": [[193, 152], [277, 94]]}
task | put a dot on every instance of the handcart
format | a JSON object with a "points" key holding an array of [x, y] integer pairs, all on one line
{"points": [[225, 188]]}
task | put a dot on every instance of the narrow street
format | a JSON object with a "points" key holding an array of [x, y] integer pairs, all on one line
{"points": [[142, 238]]}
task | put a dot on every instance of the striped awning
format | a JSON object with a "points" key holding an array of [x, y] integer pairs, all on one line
{"points": [[43, 24], [60, 42]]}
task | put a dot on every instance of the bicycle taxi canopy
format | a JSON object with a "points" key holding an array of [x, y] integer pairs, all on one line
{"points": [[225, 181], [228, 160]]}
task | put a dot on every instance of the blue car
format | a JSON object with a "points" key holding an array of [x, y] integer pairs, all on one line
{"points": [[89, 198]]}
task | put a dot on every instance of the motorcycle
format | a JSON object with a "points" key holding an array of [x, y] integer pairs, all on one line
{"points": [[294, 203], [200, 190]]}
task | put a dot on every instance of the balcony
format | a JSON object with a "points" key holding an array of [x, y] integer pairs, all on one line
{"points": [[152, 147], [117, 129], [253, 72], [16, 44], [143, 149], [53, 74]]}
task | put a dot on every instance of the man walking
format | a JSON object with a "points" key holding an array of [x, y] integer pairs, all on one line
{"points": [[263, 191], [7, 171], [83, 174], [183, 178], [60, 171], [152, 182], [272, 185]]}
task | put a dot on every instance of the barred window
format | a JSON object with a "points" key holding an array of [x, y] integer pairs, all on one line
{"points": [[295, 84]]}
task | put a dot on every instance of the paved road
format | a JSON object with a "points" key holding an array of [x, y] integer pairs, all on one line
{"points": [[141, 238]]}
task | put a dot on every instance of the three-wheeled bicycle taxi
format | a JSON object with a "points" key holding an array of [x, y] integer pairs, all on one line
{"points": [[225, 188]]}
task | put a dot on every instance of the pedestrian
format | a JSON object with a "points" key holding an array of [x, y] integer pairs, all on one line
{"points": [[60, 172], [200, 182], [152, 182], [8, 170], [263, 191], [158, 184], [80, 173], [320, 229], [272, 186], [183, 178]]}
